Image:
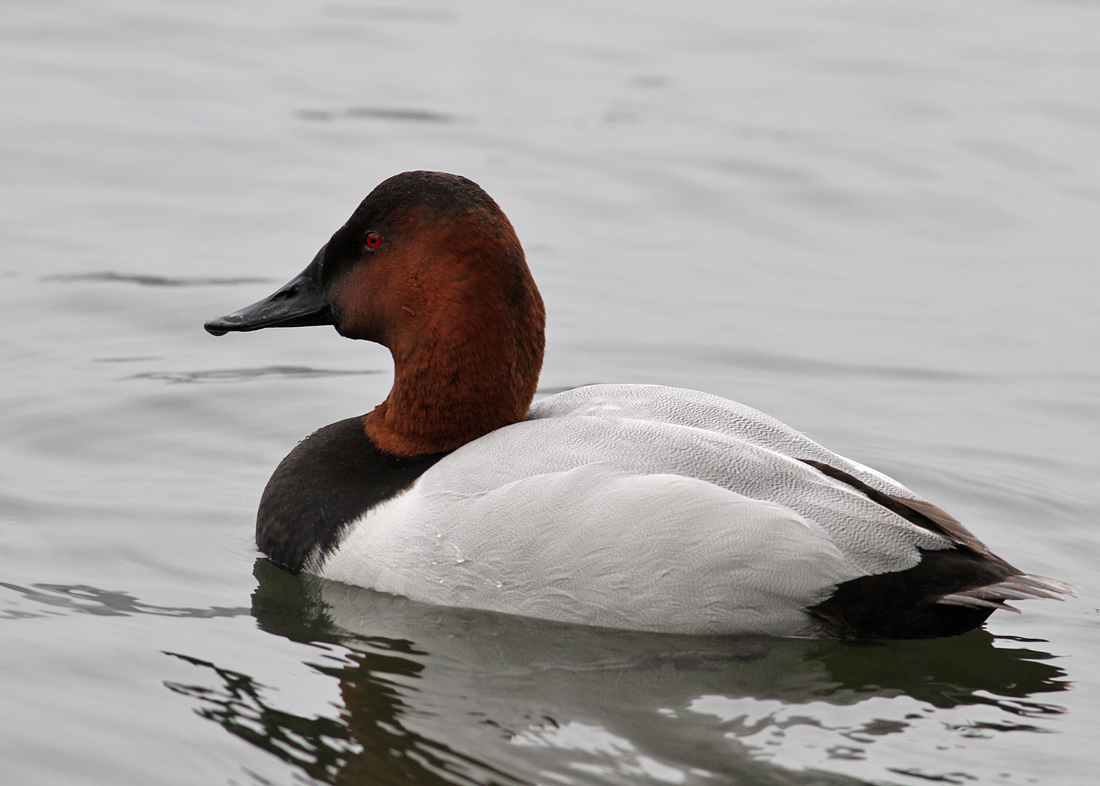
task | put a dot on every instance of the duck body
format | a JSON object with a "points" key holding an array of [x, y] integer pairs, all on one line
{"points": [[632, 506], [626, 506]]}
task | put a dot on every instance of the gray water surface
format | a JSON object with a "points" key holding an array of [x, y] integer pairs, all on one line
{"points": [[876, 221]]}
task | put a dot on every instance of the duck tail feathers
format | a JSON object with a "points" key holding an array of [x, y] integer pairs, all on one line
{"points": [[1020, 587]]}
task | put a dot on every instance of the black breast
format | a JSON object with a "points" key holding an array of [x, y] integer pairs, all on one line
{"points": [[328, 481]]}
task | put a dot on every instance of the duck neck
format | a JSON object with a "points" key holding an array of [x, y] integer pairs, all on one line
{"points": [[467, 370]]}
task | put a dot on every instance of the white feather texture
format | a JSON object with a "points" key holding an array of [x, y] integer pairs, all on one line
{"points": [[634, 506]]}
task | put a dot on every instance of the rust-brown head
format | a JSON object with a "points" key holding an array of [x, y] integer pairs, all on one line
{"points": [[430, 267]]}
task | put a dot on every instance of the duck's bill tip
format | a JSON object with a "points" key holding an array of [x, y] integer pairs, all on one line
{"points": [[262, 315], [299, 303], [255, 317], [219, 326]]}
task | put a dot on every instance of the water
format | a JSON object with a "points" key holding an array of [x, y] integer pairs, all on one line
{"points": [[873, 220]]}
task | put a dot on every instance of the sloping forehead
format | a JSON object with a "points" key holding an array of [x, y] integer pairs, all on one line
{"points": [[433, 192]]}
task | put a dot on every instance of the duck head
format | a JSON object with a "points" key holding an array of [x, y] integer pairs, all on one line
{"points": [[430, 267]]}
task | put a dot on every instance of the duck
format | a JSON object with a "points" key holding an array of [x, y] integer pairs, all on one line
{"points": [[639, 507]]}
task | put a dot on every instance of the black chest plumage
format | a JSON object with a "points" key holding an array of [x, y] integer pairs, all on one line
{"points": [[328, 481]]}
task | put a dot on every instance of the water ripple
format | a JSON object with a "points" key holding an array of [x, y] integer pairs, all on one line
{"points": [[156, 281], [376, 113], [247, 374], [777, 362], [85, 599]]}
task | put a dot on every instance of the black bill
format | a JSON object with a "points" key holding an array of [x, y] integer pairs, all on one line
{"points": [[299, 303]]}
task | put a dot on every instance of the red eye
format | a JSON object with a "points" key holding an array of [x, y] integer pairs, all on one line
{"points": [[374, 240]]}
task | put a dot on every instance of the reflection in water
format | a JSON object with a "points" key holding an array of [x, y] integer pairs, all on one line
{"points": [[320, 746], [448, 695], [949, 672], [366, 744]]}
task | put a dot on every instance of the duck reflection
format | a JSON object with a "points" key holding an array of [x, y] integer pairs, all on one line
{"points": [[435, 695]]}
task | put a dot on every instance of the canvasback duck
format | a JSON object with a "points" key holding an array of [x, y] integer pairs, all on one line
{"points": [[627, 506]]}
